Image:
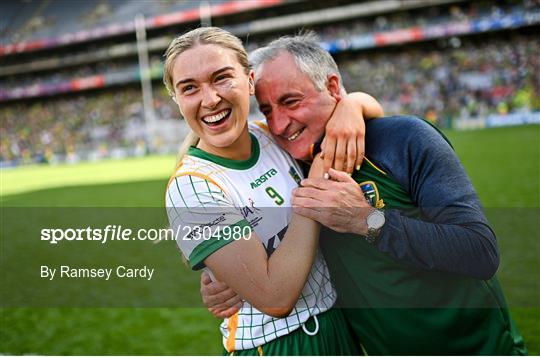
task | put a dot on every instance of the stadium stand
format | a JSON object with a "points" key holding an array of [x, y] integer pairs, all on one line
{"points": [[71, 72], [51, 18]]}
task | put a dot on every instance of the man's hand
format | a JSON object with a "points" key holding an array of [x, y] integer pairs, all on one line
{"points": [[221, 301], [337, 203]]}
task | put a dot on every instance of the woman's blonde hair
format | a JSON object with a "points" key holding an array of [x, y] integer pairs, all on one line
{"points": [[200, 36]]}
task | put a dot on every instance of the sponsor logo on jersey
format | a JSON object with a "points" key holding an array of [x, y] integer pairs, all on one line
{"points": [[273, 242], [250, 213], [211, 224], [371, 193], [294, 174], [264, 177]]}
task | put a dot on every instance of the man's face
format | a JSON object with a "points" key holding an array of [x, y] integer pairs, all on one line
{"points": [[295, 110]]}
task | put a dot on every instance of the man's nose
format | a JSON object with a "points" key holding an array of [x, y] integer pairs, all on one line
{"points": [[210, 97], [280, 121]]}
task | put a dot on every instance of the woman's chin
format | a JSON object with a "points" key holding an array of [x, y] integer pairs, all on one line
{"points": [[223, 141]]}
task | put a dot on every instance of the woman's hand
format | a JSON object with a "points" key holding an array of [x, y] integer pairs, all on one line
{"points": [[221, 301], [343, 146], [317, 168]]}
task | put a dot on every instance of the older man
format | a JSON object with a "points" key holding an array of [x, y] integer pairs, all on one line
{"points": [[414, 261]]}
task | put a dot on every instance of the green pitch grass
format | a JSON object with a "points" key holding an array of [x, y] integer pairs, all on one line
{"points": [[34, 178], [503, 164]]}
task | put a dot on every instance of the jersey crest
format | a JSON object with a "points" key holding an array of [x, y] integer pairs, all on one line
{"points": [[295, 175], [371, 193]]}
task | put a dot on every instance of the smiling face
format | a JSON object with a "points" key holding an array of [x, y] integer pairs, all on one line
{"points": [[296, 112], [212, 90]]}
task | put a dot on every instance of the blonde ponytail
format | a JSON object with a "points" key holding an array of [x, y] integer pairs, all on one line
{"points": [[191, 139]]}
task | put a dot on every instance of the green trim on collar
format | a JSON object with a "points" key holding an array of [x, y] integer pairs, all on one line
{"points": [[231, 164]]}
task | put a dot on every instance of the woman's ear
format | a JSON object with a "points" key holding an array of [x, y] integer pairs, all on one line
{"points": [[251, 78]]}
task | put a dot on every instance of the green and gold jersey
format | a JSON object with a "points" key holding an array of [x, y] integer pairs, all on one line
{"points": [[397, 309], [213, 201]]}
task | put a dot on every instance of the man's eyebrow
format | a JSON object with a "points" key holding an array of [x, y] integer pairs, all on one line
{"points": [[215, 73]]}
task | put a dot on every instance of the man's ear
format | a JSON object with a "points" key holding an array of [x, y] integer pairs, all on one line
{"points": [[333, 86], [251, 78]]}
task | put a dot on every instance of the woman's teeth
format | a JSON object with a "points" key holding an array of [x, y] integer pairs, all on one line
{"points": [[217, 117]]}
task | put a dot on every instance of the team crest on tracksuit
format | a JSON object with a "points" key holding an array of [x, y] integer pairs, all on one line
{"points": [[295, 175], [371, 193]]}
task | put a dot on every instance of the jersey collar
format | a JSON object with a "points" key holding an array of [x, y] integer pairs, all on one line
{"points": [[228, 163]]}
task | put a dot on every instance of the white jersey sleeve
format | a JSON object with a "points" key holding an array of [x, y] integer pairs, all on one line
{"points": [[202, 217]]}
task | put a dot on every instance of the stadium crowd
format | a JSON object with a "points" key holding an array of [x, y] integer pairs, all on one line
{"points": [[91, 125], [465, 77], [468, 81], [328, 32], [472, 80], [55, 77], [434, 15]]}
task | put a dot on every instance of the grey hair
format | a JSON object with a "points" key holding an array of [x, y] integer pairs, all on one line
{"points": [[310, 58]]}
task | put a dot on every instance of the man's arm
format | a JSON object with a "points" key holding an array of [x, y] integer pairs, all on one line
{"points": [[453, 234]]}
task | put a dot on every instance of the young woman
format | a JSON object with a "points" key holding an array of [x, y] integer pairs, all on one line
{"points": [[230, 196]]}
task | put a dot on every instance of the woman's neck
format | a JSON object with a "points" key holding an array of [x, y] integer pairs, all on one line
{"points": [[240, 150]]}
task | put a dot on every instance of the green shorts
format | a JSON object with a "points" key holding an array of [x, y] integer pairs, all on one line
{"points": [[333, 338]]}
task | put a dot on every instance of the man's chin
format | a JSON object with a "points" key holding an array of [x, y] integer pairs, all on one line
{"points": [[300, 155], [292, 149]]}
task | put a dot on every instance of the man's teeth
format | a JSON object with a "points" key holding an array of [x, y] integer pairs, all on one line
{"points": [[217, 117], [294, 136]]}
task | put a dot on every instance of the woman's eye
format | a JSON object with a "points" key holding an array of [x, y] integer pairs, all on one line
{"points": [[222, 77]]}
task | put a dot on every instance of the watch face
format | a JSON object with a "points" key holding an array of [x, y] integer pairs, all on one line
{"points": [[375, 220]]}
